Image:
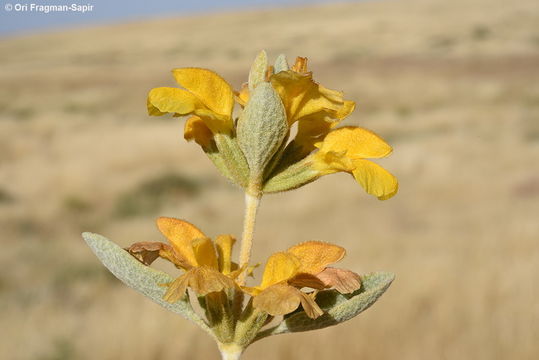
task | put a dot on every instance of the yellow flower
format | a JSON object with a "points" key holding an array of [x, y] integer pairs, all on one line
{"points": [[208, 266], [255, 151], [346, 149], [205, 95], [316, 108], [209, 99], [313, 106], [303, 265]]}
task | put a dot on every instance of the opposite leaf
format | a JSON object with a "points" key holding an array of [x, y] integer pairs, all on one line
{"points": [[337, 307], [138, 276]]}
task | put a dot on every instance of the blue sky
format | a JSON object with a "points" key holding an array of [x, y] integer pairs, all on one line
{"points": [[15, 18]]}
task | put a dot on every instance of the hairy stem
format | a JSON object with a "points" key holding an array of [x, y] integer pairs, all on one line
{"points": [[251, 207], [230, 351]]}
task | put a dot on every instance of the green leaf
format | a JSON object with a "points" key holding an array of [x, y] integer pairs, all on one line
{"points": [[280, 64], [292, 177], [258, 70], [262, 128], [337, 307], [231, 158], [138, 276]]}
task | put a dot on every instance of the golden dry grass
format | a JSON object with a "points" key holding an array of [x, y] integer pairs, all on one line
{"points": [[453, 85]]}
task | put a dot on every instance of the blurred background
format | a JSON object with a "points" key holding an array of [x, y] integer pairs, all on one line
{"points": [[452, 85]]}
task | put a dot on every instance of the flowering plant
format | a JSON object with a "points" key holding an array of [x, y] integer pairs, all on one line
{"points": [[257, 151]]}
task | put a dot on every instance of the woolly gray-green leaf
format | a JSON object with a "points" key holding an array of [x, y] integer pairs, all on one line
{"points": [[232, 161], [258, 70], [292, 177], [280, 64], [337, 307], [139, 276], [261, 128]]}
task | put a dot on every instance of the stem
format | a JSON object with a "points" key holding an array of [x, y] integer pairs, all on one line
{"points": [[251, 207], [230, 351]]}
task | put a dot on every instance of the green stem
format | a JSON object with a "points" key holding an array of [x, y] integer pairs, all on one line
{"points": [[230, 351], [251, 206]]}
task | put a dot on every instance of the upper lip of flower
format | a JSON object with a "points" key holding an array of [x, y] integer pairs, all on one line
{"points": [[204, 94]]}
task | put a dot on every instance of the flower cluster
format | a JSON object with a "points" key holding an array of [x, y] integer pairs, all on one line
{"points": [[255, 149], [208, 268], [284, 135]]}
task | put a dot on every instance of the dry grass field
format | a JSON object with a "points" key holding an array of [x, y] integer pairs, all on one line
{"points": [[452, 85]]}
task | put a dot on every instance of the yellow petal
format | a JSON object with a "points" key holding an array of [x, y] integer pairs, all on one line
{"points": [[224, 244], [346, 109], [312, 129], [172, 100], [303, 97], [242, 97], [211, 89], [280, 266], [344, 281], [375, 179], [152, 110], [331, 162], [205, 253], [180, 234], [292, 88], [282, 299], [252, 291], [315, 256], [310, 307], [204, 280], [356, 142], [196, 129], [319, 98], [176, 289], [217, 123], [279, 299]]}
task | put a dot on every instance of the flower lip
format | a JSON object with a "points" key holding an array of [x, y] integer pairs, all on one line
{"points": [[301, 266], [346, 149], [210, 88], [208, 265], [204, 94]]}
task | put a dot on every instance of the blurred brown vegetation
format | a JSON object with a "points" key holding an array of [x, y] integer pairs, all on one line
{"points": [[453, 86]]}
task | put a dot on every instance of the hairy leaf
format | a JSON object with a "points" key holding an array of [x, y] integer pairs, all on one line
{"points": [[262, 128], [258, 70], [138, 276], [337, 307], [280, 64]]}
